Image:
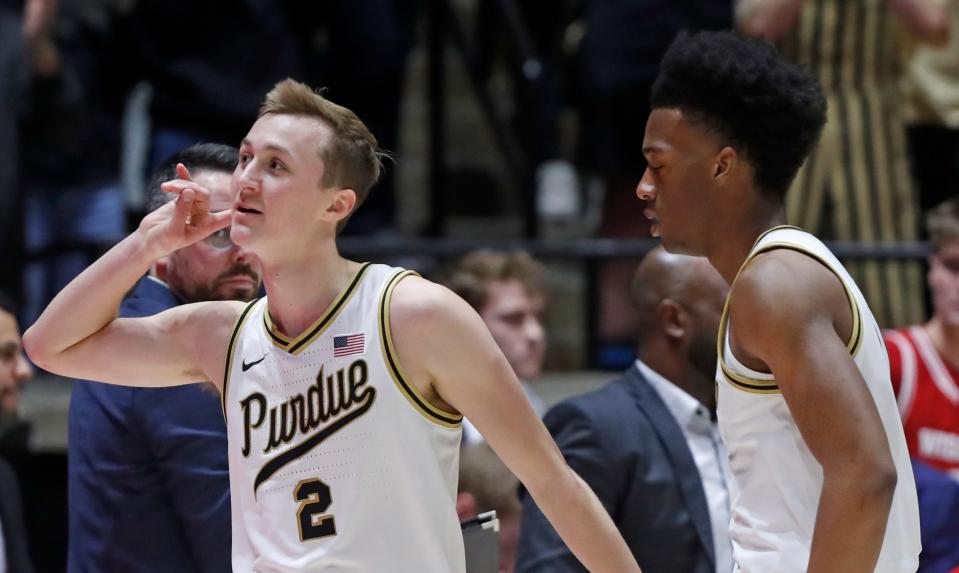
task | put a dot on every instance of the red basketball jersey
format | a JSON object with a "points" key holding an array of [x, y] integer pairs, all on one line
{"points": [[927, 390]]}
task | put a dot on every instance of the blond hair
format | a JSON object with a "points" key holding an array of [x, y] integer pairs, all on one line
{"points": [[351, 159], [474, 273], [942, 223]]}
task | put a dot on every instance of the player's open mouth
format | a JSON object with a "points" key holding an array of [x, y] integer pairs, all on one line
{"points": [[248, 211], [653, 222]]}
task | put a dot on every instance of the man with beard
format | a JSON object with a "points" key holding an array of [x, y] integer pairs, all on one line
{"points": [[148, 478], [648, 443]]}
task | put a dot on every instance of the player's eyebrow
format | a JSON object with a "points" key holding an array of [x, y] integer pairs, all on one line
{"points": [[269, 146], [653, 148]]}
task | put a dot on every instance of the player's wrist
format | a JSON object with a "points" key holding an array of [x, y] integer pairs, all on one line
{"points": [[144, 248]]}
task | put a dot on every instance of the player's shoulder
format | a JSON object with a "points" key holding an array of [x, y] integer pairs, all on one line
{"points": [[784, 287], [785, 278], [422, 310], [415, 297]]}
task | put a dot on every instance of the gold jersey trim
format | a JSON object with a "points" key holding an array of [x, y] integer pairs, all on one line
{"points": [[770, 386], [231, 347], [301, 342], [409, 391]]}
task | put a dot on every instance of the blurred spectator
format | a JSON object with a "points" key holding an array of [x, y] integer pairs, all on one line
{"points": [[856, 185], [486, 484], [648, 443], [924, 363], [148, 477], [507, 291], [924, 358], [14, 370], [932, 97]]}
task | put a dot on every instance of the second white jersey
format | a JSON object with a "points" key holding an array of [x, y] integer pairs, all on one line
{"points": [[337, 464], [776, 482]]}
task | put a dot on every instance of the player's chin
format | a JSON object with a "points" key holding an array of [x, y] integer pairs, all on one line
{"points": [[676, 246]]}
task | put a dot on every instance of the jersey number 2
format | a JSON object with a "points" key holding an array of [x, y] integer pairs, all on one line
{"points": [[314, 497]]}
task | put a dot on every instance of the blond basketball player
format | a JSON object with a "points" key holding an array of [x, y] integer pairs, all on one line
{"points": [[344, 389], [821, 475]]}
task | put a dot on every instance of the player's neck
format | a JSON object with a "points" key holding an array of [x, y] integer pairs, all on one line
{"points": [[945, 338], [739, 236], [300, 291]]}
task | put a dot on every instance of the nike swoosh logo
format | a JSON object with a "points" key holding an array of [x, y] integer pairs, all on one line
{"points": [[246, 366]]}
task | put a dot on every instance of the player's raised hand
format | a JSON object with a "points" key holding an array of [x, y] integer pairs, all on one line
{"points": [[184, 220]]}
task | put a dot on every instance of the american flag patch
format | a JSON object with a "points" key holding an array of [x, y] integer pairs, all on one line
{"points": [[349, 345]]}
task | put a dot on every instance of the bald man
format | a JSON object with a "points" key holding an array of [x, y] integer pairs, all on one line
{"points": [[647, 443]]}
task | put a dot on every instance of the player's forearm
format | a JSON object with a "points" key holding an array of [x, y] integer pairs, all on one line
{"points": [[88, 303], [581, 520], [851, 521]]}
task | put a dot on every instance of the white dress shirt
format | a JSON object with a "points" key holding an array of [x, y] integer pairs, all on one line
{"points": [[709, 454]]}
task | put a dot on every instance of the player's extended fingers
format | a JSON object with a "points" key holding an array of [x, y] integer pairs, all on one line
{"points": [[181, 209], [201, 195], [176, 186], [216, 221], [209, 224]]}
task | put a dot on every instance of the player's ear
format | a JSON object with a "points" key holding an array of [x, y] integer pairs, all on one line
{"points": [[726, 161], [341, 204]]}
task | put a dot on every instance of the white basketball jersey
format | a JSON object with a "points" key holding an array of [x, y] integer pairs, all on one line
{"points": [[337, 463], [776, 481]]}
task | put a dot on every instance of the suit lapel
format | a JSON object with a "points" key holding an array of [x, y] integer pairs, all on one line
{"points": [[674, 442]]}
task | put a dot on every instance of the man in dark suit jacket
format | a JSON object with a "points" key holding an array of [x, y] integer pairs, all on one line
{"points": [[14, 371], [647, 442], [148, 475], [15, 553]]}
